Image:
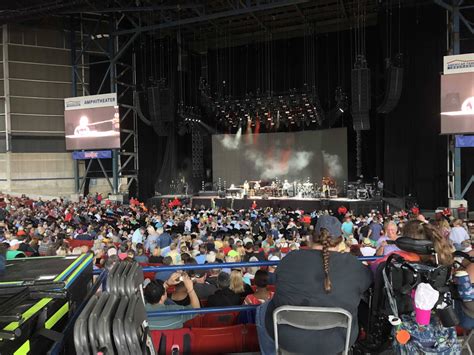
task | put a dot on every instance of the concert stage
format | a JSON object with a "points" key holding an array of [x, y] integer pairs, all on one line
{"points": [[306, 204]]}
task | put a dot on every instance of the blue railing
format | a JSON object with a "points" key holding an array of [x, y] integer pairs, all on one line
{"points": [[201, 310], [223, 265]]}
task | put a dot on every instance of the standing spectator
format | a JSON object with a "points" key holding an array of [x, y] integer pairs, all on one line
{"points": [[347, 227], [138, 236], [375, 229], [152, 240], [164, 240], [458, 235]]}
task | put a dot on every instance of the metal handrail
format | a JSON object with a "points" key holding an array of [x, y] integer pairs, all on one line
{"points": [[201, 310], [224, 265]]}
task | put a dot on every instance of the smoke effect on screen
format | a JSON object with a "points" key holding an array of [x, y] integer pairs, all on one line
{"points": [[232, 142], [296, 156], [333, 164], [272, 168]]}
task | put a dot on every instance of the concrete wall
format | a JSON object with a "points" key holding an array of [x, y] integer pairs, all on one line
{"points": [[44, 174], [35, 77]]}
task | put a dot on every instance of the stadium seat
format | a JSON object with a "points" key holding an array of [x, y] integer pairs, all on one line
{"points": [[166, 340], [149, 274], [218, 340], [220, 319], [250, 340], [196, 322]]}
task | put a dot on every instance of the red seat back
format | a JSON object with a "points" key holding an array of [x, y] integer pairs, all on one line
{"points": [[218, 340], [165, 340], [149, 274], [196, 322], [250, 341], [220, 319]]}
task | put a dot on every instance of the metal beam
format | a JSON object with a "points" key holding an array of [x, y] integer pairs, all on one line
{"points": [[148, 8], [205, 18], [260, 23]]}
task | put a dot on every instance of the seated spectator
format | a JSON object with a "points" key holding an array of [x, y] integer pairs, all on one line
{"points": [[224, 296], [334, 280], [423, 231], [261, 295], [391, 234], [272, 270], [203, 288], [156, 257], [237, 284], [164, 275], [13, 252], [459, 236], [251, 271], [155, 297], [140, 256], [180, 295], [212, 277], [201, 257]]}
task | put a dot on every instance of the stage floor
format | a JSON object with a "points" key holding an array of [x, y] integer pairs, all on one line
{"points": [[305, 204]]}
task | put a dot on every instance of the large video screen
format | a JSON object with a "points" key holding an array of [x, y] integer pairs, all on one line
{"points": [[284, 156], [92, 122], [457, 103]]}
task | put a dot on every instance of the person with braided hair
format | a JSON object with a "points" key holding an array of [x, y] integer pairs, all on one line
{"points": [[316, 277]]}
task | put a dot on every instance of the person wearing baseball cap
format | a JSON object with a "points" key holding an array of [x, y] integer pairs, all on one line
{"points": [[316, 277], [13, 252]]}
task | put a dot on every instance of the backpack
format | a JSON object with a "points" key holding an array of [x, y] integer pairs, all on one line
{"points": [[429, 340]]}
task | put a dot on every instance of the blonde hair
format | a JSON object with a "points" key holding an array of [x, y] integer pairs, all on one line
{"points": [[236, 281], [425, 231]]}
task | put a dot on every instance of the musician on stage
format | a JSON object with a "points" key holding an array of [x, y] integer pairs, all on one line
{"points": [[286, 188], [246, 187], [325, 187]]}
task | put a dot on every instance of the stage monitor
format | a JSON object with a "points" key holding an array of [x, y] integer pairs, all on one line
{"points": [[284, 156], [457, 103], [92, 122]]}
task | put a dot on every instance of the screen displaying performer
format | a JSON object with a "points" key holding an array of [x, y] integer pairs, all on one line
{"points": [[92, 122], [284, 155]]}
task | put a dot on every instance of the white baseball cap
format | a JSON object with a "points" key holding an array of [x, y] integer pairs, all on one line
{"points": [[14, 242]]}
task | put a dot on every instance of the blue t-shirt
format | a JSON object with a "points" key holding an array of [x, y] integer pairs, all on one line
{"points": [[376, 229], [347, 229]]}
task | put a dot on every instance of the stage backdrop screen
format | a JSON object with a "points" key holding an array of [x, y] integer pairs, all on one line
{"points": [[92, 122], [286, 155], [457, 103]]}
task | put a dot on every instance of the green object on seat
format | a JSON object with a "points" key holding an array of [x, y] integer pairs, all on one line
{"points": [[13, 254]]}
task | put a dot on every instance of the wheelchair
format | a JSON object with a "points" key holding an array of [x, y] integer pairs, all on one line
{"points": [[390, 295]]}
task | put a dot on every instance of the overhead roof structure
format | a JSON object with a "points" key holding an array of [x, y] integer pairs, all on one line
{"points": [[208, 21]]}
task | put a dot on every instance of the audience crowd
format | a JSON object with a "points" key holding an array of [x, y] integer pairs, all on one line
{"points": [[179, 233]]}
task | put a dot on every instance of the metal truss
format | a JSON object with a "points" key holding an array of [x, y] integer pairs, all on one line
{"points": [[458, 12], [98, 32]]}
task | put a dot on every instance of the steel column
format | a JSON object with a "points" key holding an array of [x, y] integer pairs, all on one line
{"points": [[456, 50]]}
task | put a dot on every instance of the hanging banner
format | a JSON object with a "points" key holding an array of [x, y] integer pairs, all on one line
{"points": [[94, 154], [92, 122], [461, 63]]}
